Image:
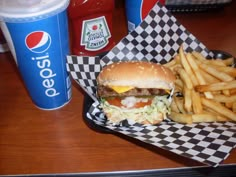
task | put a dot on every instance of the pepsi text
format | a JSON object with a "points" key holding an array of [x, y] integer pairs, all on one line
{"points": [[44, 63]]}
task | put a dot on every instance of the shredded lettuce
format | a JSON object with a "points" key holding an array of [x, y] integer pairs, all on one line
{"points": [[158, 110]]}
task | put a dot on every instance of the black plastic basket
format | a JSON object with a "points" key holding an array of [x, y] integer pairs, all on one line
{"points": [[196, 6]]}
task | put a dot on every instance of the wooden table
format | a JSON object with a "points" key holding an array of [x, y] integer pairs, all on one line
{"points": [[33, 141]]}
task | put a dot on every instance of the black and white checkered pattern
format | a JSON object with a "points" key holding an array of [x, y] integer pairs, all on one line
{"points": [[208, 143], [84, 70], [157, 39]]}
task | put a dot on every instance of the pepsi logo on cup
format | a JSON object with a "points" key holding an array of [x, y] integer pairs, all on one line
{"points": [[38, 41]]}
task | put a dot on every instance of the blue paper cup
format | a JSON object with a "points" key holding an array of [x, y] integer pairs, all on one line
{"points": [[37, 35]]}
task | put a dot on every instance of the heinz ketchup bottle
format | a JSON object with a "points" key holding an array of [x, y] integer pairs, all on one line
{"points": [[91, 22]]}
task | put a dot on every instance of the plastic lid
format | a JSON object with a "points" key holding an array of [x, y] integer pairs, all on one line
{"points": [[30, 10]]}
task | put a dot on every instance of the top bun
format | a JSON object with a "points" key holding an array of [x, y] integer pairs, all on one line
{"points": [[137, 74]]}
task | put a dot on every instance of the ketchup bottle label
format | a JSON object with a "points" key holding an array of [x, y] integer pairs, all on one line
{"points": [[95, 34]]}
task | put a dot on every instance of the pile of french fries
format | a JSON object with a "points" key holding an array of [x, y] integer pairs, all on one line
{"points": [[205, 90]]}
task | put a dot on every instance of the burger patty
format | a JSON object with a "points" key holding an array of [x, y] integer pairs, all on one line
{"points": [[103, 91]]}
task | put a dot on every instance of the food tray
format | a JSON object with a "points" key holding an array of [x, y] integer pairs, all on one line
{"points": [[88, 101], [221, 171]]}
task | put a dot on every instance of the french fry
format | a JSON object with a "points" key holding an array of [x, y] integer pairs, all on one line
{"points": [[228, 70], [214, 72], [208, 110], [234, 107], [179, 83], [212, 62], [219, 118], [197, 105], [217, 107], [209, 78], [198, 75], [226, 92], [216, 86], [201, 58], [181, 118], [187, 100], [229, 105], [224, 99], [198, 56], [177, 59], [220, 75], [186, 66], [184, 76], [228, 61], [180, 104], [216, 92], [208, 89], [215, 63], [232, 91], [203, 118], [175, 67], [178, 89], [171, 63], [173, 106]]}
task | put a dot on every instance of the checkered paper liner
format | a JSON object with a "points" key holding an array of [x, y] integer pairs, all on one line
{"points": [[157, 39], [209, 143]]}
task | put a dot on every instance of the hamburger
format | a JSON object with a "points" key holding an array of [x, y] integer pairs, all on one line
{"points": [[135, 90]]}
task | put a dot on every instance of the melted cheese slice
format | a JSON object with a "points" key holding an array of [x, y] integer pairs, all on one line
{"points": [[121, 89]]}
